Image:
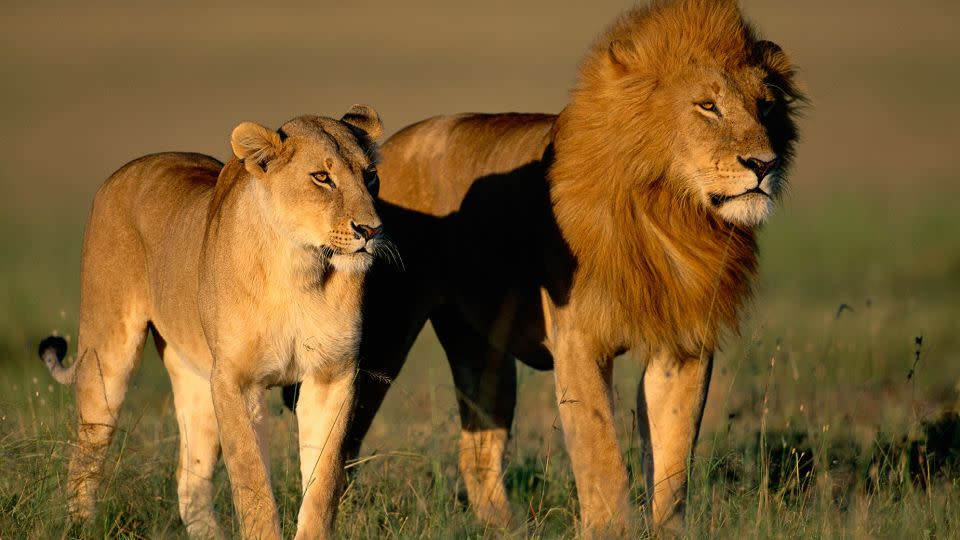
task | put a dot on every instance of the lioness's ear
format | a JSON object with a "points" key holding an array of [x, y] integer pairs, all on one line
{"points": [[255, 145], [364, 118]]}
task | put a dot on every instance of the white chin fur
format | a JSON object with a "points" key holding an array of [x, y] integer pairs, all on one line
{"points": [[357, 263], [748, 211]]}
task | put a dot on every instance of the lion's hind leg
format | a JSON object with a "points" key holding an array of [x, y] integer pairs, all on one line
{"points": [[199, 446], [486, 383]]}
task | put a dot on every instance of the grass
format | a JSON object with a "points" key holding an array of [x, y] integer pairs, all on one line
{"points": [[828, 416]]}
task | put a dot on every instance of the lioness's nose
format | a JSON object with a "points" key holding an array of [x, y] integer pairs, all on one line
{"points": [[759, 166], [365, 231]]}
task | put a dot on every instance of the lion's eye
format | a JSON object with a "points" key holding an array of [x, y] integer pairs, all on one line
{"points": [[765, 106], [708, 106], [322, 178]]}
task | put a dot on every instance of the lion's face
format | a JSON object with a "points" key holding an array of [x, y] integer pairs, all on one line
{"points": [[731, 148], [318, 187], [702, 103]]}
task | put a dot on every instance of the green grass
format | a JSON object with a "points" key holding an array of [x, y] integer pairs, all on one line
{"points": [[813, 428]]}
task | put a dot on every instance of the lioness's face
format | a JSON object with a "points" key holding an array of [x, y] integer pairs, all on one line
{"points": [[319, 189], [733, 141]]}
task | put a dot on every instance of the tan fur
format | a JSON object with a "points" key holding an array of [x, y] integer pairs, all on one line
{"points": [[249, 275], [623, 223]]}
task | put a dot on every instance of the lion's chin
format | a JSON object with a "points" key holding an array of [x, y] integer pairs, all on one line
{"points": [[749, 210], [355, 263]]}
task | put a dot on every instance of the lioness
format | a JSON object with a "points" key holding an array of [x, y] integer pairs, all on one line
{"points": [[625, 222], [249, 275]]}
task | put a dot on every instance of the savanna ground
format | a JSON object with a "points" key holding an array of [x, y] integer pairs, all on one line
{"points": [[827, 416]]}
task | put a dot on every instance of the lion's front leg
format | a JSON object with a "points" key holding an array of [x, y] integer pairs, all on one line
{"points": [[323, 415], [670, 405], [583, 380], [249, 479]]}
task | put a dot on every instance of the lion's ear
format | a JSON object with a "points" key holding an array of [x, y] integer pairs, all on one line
{"points": [[255, 145], [364, 118], [621, 54], [781, 69], [771, 55]]}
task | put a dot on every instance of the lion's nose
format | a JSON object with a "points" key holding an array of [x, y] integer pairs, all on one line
{"points": [[759, 167], [365, 231]]}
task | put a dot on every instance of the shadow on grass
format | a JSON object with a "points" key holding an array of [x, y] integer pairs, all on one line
{"points": [[789, 463]]}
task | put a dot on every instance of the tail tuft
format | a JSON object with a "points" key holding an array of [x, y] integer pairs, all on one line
{"points": [[53, 344], [52, 350]]}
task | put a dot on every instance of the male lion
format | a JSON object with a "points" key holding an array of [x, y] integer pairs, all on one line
{"points": [[625, 222], [249, 275]]}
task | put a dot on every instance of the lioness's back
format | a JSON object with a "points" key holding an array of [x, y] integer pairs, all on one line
{"points": [[156, 194], [159, 177]]}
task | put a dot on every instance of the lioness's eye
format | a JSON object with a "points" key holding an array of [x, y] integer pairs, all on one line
{"points": [[322, 178], [708, 106], [371, 178]]}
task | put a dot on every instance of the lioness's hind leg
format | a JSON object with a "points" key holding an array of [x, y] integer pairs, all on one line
{"points": [[108, 356], [114, 312], [486, 383], [199, 447]]}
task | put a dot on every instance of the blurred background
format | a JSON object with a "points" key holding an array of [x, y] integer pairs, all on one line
{"points": [[88, 86], [871, 222]]}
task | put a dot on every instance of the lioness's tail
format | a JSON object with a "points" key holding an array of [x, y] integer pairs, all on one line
{"points": [[52, 350]]}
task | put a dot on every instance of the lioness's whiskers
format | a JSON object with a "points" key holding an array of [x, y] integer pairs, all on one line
{"points": [[386, 249]]}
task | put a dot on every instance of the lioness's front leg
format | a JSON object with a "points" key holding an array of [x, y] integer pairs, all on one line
{"points": [[323, 415], [669, 410], [199, 446], [249, 479], [583, 379]]}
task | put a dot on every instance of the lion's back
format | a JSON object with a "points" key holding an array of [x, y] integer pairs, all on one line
{"points": [[429, 166]]}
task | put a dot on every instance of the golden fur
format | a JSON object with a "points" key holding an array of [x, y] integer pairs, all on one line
{"points": [[626, 222], [249, 275], [640, 223]]}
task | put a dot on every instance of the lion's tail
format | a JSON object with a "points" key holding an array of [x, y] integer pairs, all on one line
{"points": [[52, 350]]}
